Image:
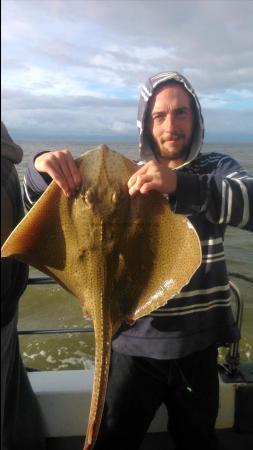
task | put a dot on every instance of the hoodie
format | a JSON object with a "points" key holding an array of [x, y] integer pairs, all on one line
{"points": [[213, 191], [13, 273], [9, 149]]}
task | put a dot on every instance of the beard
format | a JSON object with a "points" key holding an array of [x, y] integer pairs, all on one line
{"points": [[171, 151]]}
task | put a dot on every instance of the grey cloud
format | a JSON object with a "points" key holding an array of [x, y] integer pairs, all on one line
{"points": [[73, 115], [28, 101]]}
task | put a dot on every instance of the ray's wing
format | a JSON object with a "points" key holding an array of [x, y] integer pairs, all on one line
{"points": [[45, 237], [57, 233], [39, 232], [161, 255]]}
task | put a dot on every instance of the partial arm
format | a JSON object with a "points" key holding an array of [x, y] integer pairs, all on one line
{"points": [[224, 196], [58, 166]]}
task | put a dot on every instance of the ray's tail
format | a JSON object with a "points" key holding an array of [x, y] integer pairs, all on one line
{"points": [[102, 363]]}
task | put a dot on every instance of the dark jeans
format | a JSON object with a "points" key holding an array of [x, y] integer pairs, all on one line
{"points": [[138, 386]]}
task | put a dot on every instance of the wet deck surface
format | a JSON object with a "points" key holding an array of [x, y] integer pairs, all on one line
{"points": [[229, 440]]}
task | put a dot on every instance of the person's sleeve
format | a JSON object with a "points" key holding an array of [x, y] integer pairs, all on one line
{"points": [[35, 183], [224, 196]]}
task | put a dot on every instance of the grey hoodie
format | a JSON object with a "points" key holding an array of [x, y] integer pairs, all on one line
{"points": [[147, 90]]}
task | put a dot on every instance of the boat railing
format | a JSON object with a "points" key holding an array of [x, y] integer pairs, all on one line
{"points": [[232, 358], [35, 281], [233, 355]]}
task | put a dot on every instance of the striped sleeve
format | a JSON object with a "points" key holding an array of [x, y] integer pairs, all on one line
{"points": [[224, 195], [237, 199], [34, 184]]}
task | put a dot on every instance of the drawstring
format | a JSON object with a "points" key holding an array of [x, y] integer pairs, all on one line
{"points": [[184, 379]]}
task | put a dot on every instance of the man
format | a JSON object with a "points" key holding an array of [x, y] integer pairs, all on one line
{"points": [[171, 355], [21, 422]]}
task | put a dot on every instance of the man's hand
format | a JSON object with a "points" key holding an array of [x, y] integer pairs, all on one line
{"points": [[61, 167], [153, 176]]}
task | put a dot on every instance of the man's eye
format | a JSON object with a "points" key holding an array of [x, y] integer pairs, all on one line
{"points": [[158, 117], [182, 113]]}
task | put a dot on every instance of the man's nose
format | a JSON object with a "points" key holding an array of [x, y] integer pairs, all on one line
{"points": [[169, 122]]}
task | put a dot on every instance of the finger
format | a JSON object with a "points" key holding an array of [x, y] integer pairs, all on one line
{"points": [[75, 172], [163, 184], [148, 186], [55, 172], [65, 169], [62, 168], [70, 170], [133, 178], [140, 182]]}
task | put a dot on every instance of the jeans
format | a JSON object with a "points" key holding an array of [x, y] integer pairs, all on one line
{"points": [[137, 387]]}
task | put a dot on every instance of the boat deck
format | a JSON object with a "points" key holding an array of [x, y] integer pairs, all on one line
{"points": [[229, 440]]}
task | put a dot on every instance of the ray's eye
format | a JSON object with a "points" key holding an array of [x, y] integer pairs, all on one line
{"points": [[89, 198], [118, 196], [115, 197]]}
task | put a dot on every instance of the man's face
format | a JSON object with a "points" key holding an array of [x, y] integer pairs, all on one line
{"points": [[170, 123]]}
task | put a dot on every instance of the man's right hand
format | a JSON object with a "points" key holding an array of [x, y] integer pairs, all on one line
{"points": [[153, 176], [61, 167]]}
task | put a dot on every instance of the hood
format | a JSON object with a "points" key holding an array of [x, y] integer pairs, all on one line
{"points": [[147, 91], [9, 149]]}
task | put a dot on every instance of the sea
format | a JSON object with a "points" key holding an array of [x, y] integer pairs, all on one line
{"points": [[51, 307]]}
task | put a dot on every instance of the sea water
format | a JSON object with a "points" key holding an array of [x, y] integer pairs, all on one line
{"points": [[52, 307]]}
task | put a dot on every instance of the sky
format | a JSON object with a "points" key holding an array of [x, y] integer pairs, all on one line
{"points": [[73, 69]]}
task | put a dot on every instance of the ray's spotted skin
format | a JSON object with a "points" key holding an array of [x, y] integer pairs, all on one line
{"points": [[121, 256]]}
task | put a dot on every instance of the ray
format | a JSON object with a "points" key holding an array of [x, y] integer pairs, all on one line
{"points": [[122, 257]]}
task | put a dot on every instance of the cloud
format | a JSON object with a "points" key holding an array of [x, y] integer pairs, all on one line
{"points": [[72, 115], [229, 99], [87, 59]]}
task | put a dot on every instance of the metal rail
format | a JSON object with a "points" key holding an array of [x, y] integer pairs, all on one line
{"points": [[233, 355], [48, 280], [56, 331], [242, 277], [40, 280]]}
